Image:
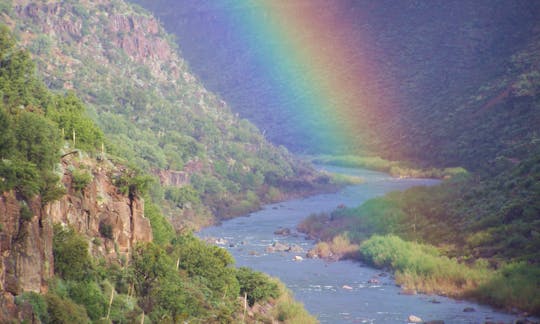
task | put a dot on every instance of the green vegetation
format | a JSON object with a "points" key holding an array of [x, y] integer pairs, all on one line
{"points": [[31, 118], [71, 258], [289, 310], [182, 280], [395, 168], [256, 286], [80, 179], [421, 267]]}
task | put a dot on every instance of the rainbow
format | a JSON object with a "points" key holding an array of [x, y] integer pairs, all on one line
{"points": [[312, 51]]}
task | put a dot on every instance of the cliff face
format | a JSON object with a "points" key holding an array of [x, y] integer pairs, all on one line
{"points": [[100, 205], [26, 260], [138, 36]]}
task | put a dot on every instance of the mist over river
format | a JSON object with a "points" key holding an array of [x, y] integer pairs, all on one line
{"points": [[337, 292]]}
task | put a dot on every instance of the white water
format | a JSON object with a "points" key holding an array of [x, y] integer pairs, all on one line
{"points": [[319, 284]]}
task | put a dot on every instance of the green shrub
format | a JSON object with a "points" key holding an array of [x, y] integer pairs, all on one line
{"points": [[209, 263], [80, 179], [38, 303], [422, 267], [513, 285], [256, 285], [288, 310], [70, 251], [20, 175], [106, 230], [89, 295], [51, 188], [162, 230], [182, 196], [64, 311], [25, 212], [133, 182]]}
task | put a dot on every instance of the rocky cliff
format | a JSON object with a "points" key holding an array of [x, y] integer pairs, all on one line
{"points": [[101, 210], [112, 221], [138, 36]]}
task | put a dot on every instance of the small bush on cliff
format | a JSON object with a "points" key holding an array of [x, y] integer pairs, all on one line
{"points": [[182, 196], [37, 302], [25, 212], [132, 181], [80, 179], [106, 230], [70, 251]]}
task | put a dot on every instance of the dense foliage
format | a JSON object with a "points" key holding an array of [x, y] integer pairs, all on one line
{"points": [[32, 120], [185, 280]]}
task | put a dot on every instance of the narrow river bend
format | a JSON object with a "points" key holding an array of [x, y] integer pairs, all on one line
{"points": [[319, 284]]}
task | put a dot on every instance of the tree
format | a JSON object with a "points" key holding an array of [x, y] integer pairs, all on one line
{"points": [[38, 140], [70, 114], [7, 138], [70, 251], [209, 263]]}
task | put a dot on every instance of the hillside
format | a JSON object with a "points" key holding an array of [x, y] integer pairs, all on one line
{"points": [[155, 114], [462, 74], [79, 243]]}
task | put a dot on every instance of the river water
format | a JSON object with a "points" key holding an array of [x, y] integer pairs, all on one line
{"points": [[337, 292]]}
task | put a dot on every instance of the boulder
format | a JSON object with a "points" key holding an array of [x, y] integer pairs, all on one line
{"points": [[414, 319], [283, 231], [469, 309]]}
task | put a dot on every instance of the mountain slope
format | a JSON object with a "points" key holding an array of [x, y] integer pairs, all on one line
{"points": [[76, 236], [154, 112], [454, 67]]}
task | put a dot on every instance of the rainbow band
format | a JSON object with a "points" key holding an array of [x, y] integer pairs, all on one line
{"points": [[312, 52]]}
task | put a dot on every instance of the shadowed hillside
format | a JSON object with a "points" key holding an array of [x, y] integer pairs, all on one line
{"points": [[460, 73]]}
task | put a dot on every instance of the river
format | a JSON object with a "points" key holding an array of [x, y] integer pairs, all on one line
{"points": [[338, 292]]}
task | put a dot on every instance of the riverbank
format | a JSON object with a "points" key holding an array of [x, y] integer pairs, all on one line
{"points": [[319, 284], [383, 232], [323, 182], [398, 169]]}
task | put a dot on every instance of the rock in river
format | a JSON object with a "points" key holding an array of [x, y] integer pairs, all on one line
{"points": [[283, 231], [414, 319]]}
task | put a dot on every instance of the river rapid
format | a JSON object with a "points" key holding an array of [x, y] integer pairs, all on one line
{"points": [[337, 292]]}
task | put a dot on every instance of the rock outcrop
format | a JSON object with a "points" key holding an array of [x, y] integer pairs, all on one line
{"points": [[139, 36], [98, 205], [26, 261], [26, 232]]}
